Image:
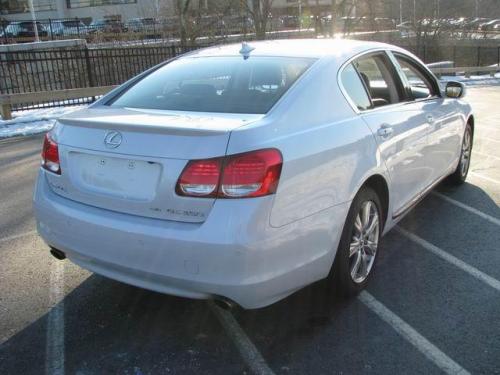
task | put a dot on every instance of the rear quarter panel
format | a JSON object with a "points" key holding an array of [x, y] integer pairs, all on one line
{"points": [[327, 149]]}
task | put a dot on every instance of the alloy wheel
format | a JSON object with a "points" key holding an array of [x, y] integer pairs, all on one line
{"points": [[364, 242], [466, 152]]}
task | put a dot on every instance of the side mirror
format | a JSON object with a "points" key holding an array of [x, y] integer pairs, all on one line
{"points": [[455, 90]]}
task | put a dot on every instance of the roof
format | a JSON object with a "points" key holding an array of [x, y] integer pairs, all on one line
{"points": [[314, 48]]}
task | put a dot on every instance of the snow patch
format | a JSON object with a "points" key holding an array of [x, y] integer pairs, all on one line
{"points": [[33, 121]]}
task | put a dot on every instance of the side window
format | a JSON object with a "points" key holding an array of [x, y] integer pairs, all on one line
{"points": [[376, 72], [419, 83], [354, 88]]}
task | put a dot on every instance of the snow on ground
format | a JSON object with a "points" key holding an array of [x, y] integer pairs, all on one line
{"points": [[33, 121], [40, 120], [480, 80]]}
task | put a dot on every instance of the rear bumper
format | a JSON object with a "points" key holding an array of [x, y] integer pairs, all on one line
{"points": [[235, 253]]}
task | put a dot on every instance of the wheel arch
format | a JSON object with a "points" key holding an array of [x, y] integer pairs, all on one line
{"points": [[378, 183]]}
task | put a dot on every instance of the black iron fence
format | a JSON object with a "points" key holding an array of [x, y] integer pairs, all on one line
{"points": [[32, 71]]}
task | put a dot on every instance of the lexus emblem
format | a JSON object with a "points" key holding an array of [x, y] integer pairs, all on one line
{"points": [[113, 139]]}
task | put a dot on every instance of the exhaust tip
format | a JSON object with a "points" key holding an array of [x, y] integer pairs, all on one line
{"points": [[224, 303], [58, 254]]}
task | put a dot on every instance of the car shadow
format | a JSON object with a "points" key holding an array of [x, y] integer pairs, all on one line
{"points": [[103, 326]]}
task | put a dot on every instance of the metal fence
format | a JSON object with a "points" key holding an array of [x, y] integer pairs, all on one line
{"points": [[32, 71]]}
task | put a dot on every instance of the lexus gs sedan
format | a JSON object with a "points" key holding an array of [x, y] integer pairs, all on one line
{"points": [[243, 173]]}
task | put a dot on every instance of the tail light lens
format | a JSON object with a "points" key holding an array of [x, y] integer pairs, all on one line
{"points": [[200, 178], [50, 155], [251, 174]]}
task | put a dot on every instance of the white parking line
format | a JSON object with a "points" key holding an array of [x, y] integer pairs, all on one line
{"points": [[494, 283], [54, 362], [16, 236], [247, 349], [475, 174], [491, 219], [486, 155], [486, 140], [441, 360]]}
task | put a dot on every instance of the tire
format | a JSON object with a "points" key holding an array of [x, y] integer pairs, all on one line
{"points": [[459, 176], [346, 282]]}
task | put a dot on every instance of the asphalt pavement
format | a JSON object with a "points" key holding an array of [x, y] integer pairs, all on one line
{"points": [[433, 305]]}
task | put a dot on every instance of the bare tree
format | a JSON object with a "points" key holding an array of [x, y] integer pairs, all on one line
{"points": [[260, 11]]}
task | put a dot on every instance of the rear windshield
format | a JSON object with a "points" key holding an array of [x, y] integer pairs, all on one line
{"points": [[216, 84]]}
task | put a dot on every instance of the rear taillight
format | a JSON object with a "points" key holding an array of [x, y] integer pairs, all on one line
{"points": [[200, 178], [50, 155], [251, 174]]}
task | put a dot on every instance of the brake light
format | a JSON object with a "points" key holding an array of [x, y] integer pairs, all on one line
{"points": [[251, 174], [200, 178], [50, 155]]}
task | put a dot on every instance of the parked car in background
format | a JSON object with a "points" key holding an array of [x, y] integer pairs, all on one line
{"points": [[489, 26], [146, 25], [67, 28], [246, 172], [107, 26], [473, 24], [239, 24], [290, 22], [384, 24], [24, 29]]}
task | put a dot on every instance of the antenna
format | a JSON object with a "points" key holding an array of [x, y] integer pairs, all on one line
{"points": [[245, 50]]}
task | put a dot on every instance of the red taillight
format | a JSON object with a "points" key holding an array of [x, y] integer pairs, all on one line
{"points": [[200, 178], [252, 174], [50, 155]]}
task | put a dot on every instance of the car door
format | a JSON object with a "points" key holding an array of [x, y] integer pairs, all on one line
{"points": [[400, 128], [445, 122]]}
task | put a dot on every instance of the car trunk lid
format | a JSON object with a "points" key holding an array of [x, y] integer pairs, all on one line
{"points": [[129, 161]]}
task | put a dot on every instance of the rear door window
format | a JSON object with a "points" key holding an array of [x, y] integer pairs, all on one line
{"points": [[380, 79], [216, 84], [354, 88]]}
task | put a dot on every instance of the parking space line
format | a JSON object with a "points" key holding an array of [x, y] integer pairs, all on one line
{"points": [[494, 283], [491, 219], [486, 155], [440, 359], [487, 140], [55, 321], [16, 236], [245, 346], [475, 174]]}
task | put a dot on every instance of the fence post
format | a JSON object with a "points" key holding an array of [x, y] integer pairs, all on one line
{"points": [[455, 55], [90, 76], [50, 30], [6, 111], [77, 26], [498, 56], [4, 33]]}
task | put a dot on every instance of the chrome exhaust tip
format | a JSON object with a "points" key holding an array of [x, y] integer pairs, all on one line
{"points": [[224, 303]]}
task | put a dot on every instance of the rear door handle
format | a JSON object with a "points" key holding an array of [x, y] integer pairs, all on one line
{"points": [[385, 131], [430, 119]]}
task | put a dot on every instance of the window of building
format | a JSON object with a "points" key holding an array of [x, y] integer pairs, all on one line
{"points": [[22, 6], [95, 3]]}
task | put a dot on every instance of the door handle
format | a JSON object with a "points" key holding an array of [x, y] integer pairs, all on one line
{"points": [[385, 131], [430, 119]]}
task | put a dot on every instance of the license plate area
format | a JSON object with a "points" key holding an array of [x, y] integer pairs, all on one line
{"points": [[115, 177]]}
